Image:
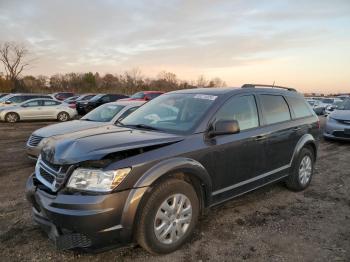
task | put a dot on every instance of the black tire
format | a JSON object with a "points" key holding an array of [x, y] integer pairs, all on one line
{"points": [[11, 117], [63, 116], [146, 219], [294, 180]]}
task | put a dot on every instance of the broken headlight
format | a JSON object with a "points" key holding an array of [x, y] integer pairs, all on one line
{"points": [[96, 179]]}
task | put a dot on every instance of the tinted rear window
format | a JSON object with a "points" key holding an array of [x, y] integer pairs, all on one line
{"points": [[299, 107], [274, 108]]}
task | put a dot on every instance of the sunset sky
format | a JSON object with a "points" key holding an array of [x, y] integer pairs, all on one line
{"points": [[303, 44]]}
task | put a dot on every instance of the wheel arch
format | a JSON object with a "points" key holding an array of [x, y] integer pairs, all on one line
{"points": [[306, 140], [182, 168], [12, 112]]}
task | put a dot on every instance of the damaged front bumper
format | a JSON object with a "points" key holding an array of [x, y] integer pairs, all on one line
{"points": [[79, 221]]}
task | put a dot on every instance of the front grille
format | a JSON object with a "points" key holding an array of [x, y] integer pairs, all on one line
{"points": [[52, 176], [341, 134], [34, 140], [344, 122]]}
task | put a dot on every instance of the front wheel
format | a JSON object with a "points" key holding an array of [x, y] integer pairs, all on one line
{"points": [[12, 117], [302, 172], [63, 116], [168, 218]]}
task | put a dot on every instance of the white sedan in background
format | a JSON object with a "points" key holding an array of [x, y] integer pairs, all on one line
{"points": [[37, 109]]}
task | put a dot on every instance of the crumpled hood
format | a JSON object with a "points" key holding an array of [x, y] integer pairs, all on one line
{"points": [[341, 115], [95, 143], [67, 127]]}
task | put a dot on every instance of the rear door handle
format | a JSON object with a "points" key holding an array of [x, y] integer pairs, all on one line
{"points": [[260, 137]]}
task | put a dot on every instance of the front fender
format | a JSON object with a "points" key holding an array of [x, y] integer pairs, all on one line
{"points": [[181, 164]]}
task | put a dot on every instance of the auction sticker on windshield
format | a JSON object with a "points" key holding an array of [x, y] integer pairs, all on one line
{"points": [[207, 97]]}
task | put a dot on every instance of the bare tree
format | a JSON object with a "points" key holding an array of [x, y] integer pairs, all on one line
{"points": [[202, 81], [13, 56]]}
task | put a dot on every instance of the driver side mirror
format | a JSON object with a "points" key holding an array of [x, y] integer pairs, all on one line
{"points": [[147, 98], [224, 127], [8, 102]]}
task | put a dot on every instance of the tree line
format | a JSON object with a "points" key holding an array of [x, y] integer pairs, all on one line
{"points": [[14, 58]]}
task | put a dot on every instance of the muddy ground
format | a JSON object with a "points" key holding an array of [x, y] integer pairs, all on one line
{"points": [[270, 224]]}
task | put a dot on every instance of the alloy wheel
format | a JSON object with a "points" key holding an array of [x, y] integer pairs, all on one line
{"points": [[173, 219], [305, 170]]}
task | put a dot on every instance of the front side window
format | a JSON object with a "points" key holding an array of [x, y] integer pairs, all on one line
{"points": [[299, 107], [127, 112], [32, 104], [139, 95], [242, 109], [106, 99], [103, 113], [274, 108], [176, 113]]}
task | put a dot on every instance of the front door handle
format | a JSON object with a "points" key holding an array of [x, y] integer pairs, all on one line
{"points": [[260, 137], [296, 128]]}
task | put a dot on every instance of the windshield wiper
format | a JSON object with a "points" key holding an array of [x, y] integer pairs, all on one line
{"points": [[86, 119], [143, 126]]}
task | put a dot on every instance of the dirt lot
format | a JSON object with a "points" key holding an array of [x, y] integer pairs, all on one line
{"points": [[270, 224]]}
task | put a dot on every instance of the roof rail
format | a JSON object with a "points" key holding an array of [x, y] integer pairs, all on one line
{"points": [[273, 86]]}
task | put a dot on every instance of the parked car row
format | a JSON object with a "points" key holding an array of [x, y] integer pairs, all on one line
{"points": [[108, 179], [66, 106], [323, 106], [106, 114]]}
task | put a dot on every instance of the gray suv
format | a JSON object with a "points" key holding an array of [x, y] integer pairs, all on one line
{"points": [[148, 178]]}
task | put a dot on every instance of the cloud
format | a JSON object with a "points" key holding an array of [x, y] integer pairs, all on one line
{"points": [[112, 35]]}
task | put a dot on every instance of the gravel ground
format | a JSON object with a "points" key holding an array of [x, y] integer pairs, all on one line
{"points": [[269, 224]]}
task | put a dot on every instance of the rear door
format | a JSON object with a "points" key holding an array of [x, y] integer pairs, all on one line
{"points": [[50, 108], [278, 132]]}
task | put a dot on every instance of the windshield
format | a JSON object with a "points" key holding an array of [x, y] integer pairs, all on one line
{"points": [[96, 97], [104, 113], [4, 98], [327, 101], [138, 95], [345, 105], [171, 112]]}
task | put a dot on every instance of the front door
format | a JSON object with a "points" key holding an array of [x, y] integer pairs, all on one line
{"points": [[238, 157]]}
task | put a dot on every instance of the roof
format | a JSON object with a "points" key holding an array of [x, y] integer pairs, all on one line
{"points": [[223, 91], [127, 103]]}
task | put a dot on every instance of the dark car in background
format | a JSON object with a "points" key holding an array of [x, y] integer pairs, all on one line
{"points": [[86, 106], [75, 99], [62, 95], [148, 178], [144, 96]]}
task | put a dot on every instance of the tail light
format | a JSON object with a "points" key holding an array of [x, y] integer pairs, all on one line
{"points": [[318, 123], [72, 106]]}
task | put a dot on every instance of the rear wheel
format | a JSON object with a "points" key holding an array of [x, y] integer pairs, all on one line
{"points": [[63, 116], [168, 218], [12, 117], [302, 172]]}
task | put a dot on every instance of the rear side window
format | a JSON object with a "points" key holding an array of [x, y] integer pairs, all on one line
{"points": [[243, 109], [274, 109], [299, 107], [51, 103]]}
